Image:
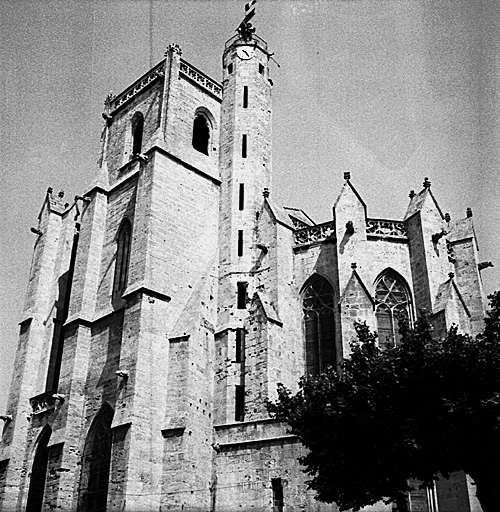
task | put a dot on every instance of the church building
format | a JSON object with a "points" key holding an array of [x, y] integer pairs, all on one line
{"points": [[166, 303]]}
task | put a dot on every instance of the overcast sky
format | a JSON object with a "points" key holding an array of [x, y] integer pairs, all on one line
{"points": [[391, 91]]}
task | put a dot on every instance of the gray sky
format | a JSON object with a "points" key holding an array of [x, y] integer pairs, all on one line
{"points": [[392, 91]]}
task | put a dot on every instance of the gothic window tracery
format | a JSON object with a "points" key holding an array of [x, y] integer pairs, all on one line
{"points": [[319, 326], [95, 467], [122, 257], [392, 303]]}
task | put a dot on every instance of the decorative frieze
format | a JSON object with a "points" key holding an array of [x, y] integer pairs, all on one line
{"points": [[314, 234], [201, 79], [386, 228]]}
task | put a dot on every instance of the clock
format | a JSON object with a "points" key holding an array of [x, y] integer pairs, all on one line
{"points": [[245, 52]]}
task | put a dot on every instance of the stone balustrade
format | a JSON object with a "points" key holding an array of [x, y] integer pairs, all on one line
{"points": [[381, 228], [386, 228], [313, 234], [201, 79], [138, 86]]}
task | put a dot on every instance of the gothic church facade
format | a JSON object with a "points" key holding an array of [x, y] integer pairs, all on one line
{"points": [[166, 304]]}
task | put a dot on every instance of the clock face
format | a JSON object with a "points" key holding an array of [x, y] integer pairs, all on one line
{"points": [[245, 52]]}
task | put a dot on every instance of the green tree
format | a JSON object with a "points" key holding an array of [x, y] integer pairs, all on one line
{"points": [[424, 408]]}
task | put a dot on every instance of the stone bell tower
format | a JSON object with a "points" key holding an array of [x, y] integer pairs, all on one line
{"points": [[245, 168]]}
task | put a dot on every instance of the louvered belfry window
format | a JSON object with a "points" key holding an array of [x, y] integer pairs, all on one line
{"points": [[393, 303], [319, 326]]}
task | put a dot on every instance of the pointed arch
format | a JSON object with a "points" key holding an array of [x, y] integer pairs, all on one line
{"points": [[96, 460], [203, 124], [319, 325], [392, 303], [39, 472], [123, 243]]}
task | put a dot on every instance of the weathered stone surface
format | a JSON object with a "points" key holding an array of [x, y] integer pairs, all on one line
{"points": [[211, 319]]}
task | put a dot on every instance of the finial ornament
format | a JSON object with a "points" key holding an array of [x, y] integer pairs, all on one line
{"points": [[245, 28], [468, 212], [412, 194], [427, 183], [451, 275], [266, 193], [347, 175], [174, 48], [447, 217], [354, 266]]}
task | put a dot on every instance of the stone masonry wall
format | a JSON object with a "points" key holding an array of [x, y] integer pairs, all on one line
{"points": [[119, 144]]}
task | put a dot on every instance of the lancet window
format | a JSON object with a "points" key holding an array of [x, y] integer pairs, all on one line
{"points": [[39, 473], [123, 241], [137, 133], [319, 326], [392, 303], [201, 133]]}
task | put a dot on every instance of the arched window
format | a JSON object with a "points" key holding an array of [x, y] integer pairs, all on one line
{"points": [[122, 257], [392, 303], [96, 461], [319, 325], [39, 472], [137, 132], [201, 133]]}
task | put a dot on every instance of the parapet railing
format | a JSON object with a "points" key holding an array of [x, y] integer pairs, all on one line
{"points": [[317, 233], [200, 78], [386, 228], [377, 228], [255, 40], [138, 86]]}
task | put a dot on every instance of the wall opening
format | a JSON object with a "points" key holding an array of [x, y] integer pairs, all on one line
{"points": [[261, 69], [96, 462], [240, 242], [123, 242], [201, 133], [245, 96], [392, 304], [241, 198], [244, 146], [239, 355], [239, 403], [137, 133], [230, 68], [39, 473], [241, 295], [319, 326], [278, 500]]}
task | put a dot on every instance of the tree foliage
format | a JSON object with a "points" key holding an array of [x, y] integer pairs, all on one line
{"points": [[425, 407]]}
